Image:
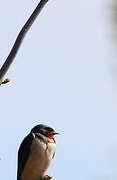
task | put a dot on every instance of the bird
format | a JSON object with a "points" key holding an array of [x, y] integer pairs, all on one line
{"points": [[36, 153]]}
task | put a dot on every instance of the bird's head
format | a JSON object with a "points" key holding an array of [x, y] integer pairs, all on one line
{"points": [[44, 130]]}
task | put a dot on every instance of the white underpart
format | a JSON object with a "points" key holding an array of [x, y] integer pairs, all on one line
{"points": [[39, 159]]}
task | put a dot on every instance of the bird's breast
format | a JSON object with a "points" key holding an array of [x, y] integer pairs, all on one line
{"points": [[39, 159]]}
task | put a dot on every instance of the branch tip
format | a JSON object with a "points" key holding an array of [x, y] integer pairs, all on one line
{"points": [[5, 81]]}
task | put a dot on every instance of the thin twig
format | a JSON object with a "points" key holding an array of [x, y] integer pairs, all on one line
{"points": [[20, 38]]}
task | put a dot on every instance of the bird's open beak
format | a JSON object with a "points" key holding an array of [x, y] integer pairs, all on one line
{"points": [[51, 134]]}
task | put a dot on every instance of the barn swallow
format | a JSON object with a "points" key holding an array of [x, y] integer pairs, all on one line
{"points": [[36, 153]]}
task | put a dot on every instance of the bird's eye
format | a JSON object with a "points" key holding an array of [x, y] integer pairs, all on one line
{"points": [[42, 131], [48, 129]]}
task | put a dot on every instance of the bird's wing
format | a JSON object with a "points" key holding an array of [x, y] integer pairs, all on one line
{"points": [[54, 152], [23, 154], [53, 155]]}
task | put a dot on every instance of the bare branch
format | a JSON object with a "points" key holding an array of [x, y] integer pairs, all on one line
{"points": [[19, 40]]}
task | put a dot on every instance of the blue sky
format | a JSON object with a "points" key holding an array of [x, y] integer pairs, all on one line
{"points": [[63, 76]]}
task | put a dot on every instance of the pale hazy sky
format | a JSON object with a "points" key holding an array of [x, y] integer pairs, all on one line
{"points": [[63, 77]]}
